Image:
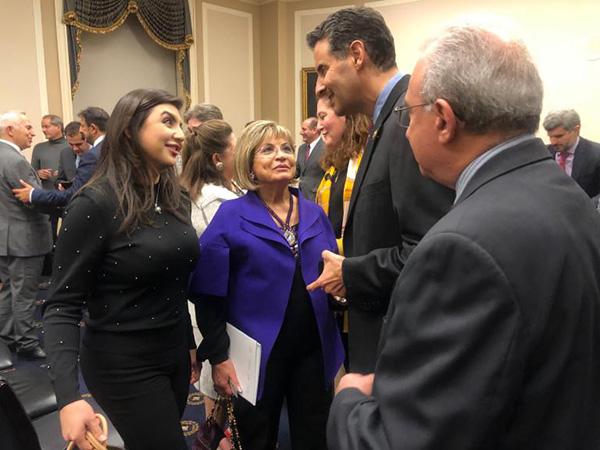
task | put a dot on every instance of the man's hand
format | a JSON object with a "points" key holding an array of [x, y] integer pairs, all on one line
{"points": [[364, 383], [331, 280], [75, 419], [44, 174], [24, 193], [224, 377]]}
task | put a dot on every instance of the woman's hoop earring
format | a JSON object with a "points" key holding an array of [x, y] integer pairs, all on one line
{"points": [[219, 166]]}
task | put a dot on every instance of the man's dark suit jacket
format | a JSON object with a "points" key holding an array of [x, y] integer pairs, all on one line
{"points": [[87, 167], [491, 337], [391, 208], [66, 164], [310, 172], [586, 166]]}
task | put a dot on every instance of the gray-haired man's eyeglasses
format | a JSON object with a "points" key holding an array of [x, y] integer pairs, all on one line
{"points": [[404, 113]]}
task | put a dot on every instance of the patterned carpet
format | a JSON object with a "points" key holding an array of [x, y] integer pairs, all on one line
{"points": [[193, 415]]}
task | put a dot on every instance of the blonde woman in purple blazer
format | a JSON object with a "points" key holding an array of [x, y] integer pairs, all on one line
{"points": [[256, 258]]}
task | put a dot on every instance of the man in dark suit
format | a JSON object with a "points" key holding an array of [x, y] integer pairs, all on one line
{"points": [[71, 158], [93, 127], [392, 204], [491, 337], [308, 160], [577, 156], [25, 238]]}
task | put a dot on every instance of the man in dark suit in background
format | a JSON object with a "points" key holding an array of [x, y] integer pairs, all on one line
{"points": [[491, 337], [577, 156], [392, 204], [71, 158], [25, 238], [308, 160], [93, 127]]}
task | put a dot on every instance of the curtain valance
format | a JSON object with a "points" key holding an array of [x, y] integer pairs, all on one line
{"points": [[167, 22]]}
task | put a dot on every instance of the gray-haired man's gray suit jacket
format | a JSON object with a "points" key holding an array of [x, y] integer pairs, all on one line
{"points": [[23, 231]]}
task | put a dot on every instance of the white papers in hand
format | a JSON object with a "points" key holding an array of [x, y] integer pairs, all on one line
{"points": [[245, 353]]}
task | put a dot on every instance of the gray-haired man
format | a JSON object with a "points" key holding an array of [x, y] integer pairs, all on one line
{"points": [[202, 112], [577, 156], [25, 238], [491, 337]]}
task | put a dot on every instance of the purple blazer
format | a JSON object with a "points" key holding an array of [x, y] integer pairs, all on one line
{"points": [[245, 259]]}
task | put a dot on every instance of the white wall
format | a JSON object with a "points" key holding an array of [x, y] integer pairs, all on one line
{"points": [[559, 34]]}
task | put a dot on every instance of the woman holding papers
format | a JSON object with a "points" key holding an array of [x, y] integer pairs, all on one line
{"points": [[208, 177], [256, 257]]}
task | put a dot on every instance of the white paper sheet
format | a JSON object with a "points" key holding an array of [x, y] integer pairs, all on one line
{"points": [[245, 353]]}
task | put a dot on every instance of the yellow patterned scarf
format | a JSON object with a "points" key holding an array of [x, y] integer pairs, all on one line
{"points": [[324, 192]]}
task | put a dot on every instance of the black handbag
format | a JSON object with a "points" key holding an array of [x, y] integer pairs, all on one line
{"points": [[210, 433]]}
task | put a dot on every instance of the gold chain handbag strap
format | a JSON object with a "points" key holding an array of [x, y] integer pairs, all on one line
{"points": [[96, 444], [215, 409], [235, 434]]}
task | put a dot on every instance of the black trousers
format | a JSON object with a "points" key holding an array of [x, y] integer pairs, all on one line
{"points": [[294, 372], [144, 395]]}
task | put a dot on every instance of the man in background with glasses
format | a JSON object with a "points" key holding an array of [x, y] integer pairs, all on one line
{"points": [[392, 206]]}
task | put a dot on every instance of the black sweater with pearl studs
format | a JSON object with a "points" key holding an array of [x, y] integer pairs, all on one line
{"points": [[133, 285]]}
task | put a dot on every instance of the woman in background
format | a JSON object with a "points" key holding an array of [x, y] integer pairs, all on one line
{"points": [[208, 177], [256, 256], [116, 257], [345, 138]]}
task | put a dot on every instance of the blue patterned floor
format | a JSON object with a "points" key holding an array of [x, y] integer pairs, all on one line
{"points": [[193, 415]]}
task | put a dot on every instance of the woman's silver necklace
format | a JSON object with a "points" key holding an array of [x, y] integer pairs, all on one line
{"points": [[288, 232], [157, 209]]}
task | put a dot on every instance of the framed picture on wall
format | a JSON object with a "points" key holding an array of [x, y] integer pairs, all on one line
{"points": [[309, 99]]}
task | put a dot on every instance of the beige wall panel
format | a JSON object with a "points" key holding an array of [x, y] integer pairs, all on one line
{"points": [[20, 75], [559, 35], [229, 63], [51, 58], [269, 61], [250, 8], [113, 64], [305, 21]]}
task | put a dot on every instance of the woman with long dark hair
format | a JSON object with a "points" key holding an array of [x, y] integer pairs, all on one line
{"points": [[124, 252], [208, 170]]}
